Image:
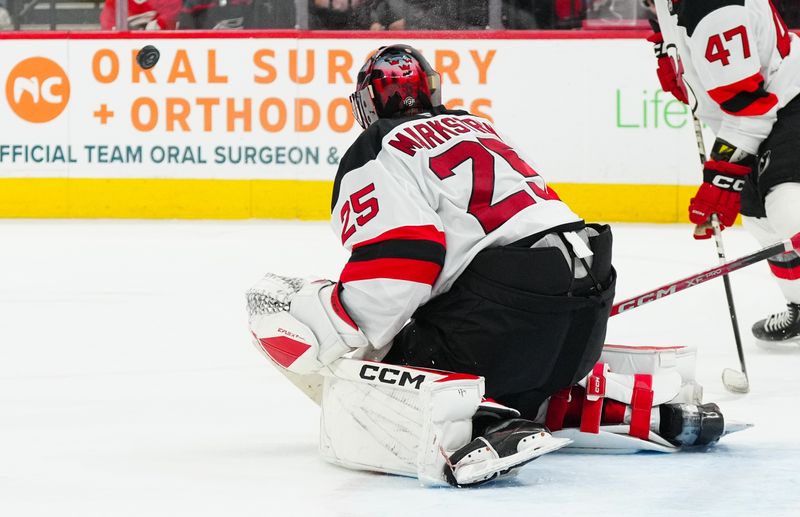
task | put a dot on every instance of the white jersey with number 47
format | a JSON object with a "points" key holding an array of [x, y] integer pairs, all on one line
{"points": [[415, 199], [738, 59]]}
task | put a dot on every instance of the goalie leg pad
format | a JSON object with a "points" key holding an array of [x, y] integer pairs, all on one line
{"points": [[416, 422], [650, 401], [397, 420]]}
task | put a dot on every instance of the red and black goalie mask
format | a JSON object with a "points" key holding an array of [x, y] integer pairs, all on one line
{"points": [[396, 80]]}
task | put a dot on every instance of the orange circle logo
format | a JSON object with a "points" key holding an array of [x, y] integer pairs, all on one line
{"points": [[37, 89]]}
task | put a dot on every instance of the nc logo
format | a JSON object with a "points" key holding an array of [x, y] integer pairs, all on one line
{"points": [[37, 89], [47, 90]]}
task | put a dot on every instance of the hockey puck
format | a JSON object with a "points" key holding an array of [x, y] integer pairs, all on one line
{"points": [[148, 56]]}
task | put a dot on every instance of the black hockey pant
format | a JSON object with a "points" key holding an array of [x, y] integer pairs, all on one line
{"points": [[517, 317]]}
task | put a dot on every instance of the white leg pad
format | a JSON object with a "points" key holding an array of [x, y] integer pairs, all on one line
{"points": [[658, 360], [671, 372], [380, 425]]}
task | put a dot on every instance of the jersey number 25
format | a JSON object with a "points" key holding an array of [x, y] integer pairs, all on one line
{"points": [[481, 154]]}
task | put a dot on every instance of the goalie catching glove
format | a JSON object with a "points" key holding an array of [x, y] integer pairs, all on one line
{"points": [[301, 325]]}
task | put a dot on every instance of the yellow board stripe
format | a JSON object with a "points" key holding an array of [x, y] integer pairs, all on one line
{"points": [[284, 199]]}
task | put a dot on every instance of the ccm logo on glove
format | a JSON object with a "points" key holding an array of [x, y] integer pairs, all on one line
{"points": [[720, 194], [728, 183]]}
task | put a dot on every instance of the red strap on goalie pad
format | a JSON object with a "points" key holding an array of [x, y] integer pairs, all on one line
{"points": [[557, 409], [641, 404], [593, 405]]}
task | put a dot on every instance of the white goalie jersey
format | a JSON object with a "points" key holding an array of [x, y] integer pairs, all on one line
{"points": [[415, 199], [738, 59]]}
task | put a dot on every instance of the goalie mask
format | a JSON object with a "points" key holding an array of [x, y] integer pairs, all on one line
{"points": [[396, 80]]}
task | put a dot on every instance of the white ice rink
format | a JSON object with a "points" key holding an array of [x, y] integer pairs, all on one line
{"points": [[129, 387]]}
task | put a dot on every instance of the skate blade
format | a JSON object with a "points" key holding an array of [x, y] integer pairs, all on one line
{"points": [[735, 381], [789, 345], [734, 426], [477, 472]]}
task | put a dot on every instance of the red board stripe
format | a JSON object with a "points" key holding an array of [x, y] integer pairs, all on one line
{"points": [[424, 233], [419, 271], [332, 34]]}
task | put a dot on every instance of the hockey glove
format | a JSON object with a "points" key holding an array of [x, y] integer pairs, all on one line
{"points": [[720, 193], [301, 324], [668, 73]]}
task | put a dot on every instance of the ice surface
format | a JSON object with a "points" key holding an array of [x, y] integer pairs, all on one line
{"points": [[128, 385]]}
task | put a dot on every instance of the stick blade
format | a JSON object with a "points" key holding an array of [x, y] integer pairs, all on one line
{"points": [[735, 381]]}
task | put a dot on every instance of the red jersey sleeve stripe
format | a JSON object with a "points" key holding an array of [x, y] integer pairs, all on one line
{"points": [[745, 98], [426, 233], [420, 271]]}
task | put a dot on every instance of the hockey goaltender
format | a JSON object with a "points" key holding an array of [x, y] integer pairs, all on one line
{"points": [[464, 336]]}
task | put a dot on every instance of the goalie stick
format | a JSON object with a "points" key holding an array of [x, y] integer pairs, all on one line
{"points": [[784, 246]]}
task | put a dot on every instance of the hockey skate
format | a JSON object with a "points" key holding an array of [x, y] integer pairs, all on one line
{"points": [[779, 330], [501, 450]]}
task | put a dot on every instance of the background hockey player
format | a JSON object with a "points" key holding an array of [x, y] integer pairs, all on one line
{"points": [[462, 260], [739, 69]]}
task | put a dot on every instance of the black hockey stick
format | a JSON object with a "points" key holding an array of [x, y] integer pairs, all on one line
{"points": [[784, 246], [733, 380], [736, 381]]}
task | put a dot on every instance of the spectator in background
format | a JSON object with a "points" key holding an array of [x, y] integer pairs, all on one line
{"points": [[236, 14], [143, 15], [6, 24], [409, 15], [470, 14], [429, 14], [216, 14], [544, 14], [339, 14]]}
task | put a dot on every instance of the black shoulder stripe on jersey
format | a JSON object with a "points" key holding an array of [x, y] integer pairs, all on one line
{"points": [[743, 100], [691, 12], [428, 251], [368, 145]]}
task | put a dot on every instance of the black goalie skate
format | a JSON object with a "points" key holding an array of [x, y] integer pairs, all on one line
{"points": [[779, 329], [500, 450]]}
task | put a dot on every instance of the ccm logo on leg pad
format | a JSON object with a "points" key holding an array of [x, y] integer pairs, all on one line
{"points": [[388, 375]]}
